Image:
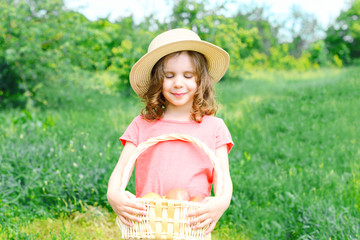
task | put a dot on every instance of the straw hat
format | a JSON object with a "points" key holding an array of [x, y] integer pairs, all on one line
{"points": [[173, 41]]}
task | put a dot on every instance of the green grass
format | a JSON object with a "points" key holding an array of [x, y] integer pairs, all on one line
{"points": [[94, 223], [295, 165]]}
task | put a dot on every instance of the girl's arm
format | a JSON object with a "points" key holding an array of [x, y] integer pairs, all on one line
{"points": [[214, 207], [122, 202]]}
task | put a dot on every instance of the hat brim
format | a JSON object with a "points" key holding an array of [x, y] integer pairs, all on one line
{"points": [[218, 62]]}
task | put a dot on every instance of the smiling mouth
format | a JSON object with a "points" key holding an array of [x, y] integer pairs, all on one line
{"points": [[178, 94]]}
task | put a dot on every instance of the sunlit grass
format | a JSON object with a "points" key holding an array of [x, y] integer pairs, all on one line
{"points": [[295, 165], [94, 223]]}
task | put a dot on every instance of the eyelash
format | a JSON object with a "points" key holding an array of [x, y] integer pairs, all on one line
{"points": [[171, 76]]}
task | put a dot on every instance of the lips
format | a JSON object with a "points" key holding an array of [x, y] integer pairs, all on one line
{"points": [[178, 94]]}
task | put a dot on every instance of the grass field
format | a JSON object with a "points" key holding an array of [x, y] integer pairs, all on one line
{"points": [[295, 166]]}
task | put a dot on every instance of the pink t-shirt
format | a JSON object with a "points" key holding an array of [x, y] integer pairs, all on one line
{"points": [[176, 164]]}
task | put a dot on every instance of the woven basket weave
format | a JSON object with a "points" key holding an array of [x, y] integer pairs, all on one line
{"points": [[166, 218]]}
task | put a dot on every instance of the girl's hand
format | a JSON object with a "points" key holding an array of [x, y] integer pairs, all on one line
{"points": [[123, 204], [208, 214]]}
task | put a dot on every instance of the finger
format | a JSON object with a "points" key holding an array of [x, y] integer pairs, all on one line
{"points": [[198, 212], [122, 219], [210, 229], [135, 211], [203, 224], [135, 205], [198, 219], [119, 211], [131, 217], [130, 195]]}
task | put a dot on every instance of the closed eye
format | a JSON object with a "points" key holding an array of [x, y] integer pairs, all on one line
{"points": [[169, 75], [188, 75]]}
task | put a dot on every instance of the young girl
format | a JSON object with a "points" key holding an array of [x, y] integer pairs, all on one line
{"points": [[175, 79]]}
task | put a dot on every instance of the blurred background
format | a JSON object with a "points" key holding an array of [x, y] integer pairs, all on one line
{"points": [[290, 99], [41, 37]]}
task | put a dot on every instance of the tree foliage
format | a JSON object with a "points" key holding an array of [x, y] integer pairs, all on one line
{"points": [[24, 26], [38, 39], [343, 38], [303, 28]]}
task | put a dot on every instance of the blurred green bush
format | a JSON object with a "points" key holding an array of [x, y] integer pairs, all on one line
{"points": [[40, 39]]}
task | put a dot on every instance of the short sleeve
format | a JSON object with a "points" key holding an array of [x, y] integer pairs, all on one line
{"points": [[131, 134], [223, 136]]}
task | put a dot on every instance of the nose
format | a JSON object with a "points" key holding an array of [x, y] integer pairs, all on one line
{"points": [[179, 82]]}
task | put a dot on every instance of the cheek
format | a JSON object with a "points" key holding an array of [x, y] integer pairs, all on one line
{"points": [[165, 86], [192, 86]]}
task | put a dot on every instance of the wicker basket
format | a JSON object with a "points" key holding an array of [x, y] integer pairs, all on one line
{"points": [[166, 218]]}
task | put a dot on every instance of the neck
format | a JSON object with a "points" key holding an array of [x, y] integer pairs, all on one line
{"points": [[179, 114]]}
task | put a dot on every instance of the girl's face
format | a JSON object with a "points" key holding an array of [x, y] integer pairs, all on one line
{"points": [[179, 85]]}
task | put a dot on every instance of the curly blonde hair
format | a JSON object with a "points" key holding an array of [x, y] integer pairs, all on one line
{"points": [[204, 99]]}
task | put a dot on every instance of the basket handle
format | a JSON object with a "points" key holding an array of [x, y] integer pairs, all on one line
{"points": [[169, 137]]}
